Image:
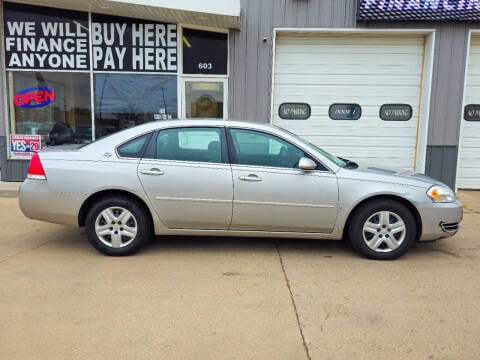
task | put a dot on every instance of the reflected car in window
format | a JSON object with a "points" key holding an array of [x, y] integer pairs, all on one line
{"points": [[221, 178]]}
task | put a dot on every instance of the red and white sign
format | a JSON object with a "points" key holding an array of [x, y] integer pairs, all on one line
{"points": [[23, 146]]}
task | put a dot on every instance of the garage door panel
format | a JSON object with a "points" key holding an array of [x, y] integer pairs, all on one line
{"points": [[324, 130], [346, 93], [468, 175], [359, 141], [370, 71], [471, 163], [327, 98], [352, 59], [470, 144], [328, 79], [349, 50], [471, 173], [469, 183], [399, 69], [340, 41]]}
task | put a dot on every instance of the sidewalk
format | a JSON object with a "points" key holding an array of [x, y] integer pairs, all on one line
{"points": [[9, 189]]}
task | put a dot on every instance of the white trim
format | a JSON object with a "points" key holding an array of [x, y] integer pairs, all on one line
{"points": [[355, 31], [425, 98], [92, 85], [179, 70], [464, 99]]}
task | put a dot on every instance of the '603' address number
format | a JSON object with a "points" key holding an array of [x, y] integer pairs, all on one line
{"points": [[205, 66]]}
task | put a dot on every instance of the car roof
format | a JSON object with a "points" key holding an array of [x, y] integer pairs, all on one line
{"points": [[163, 124], [206, 122]]}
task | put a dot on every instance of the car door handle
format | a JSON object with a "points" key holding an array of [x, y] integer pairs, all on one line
{"points": [[251, 177], [153, 171]]}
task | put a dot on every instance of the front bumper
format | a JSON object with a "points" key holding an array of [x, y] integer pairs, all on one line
{"points": [[440, 220]]}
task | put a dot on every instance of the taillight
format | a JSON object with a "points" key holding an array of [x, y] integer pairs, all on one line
{"points": [[35, 169]]}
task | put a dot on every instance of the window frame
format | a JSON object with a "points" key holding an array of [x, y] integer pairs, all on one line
{"points": [[234, 160], [145, 146], [182, 100]]}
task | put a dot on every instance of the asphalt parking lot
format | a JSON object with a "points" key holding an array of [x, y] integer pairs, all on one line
{"points": [[232, 298]]}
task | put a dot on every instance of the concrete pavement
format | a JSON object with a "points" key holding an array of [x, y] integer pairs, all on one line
{"points": [[231, 298], [9, 189], [178, 299]]}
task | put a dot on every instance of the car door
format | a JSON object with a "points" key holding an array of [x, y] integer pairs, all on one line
{"points": [[188, 179], [271, 193]]}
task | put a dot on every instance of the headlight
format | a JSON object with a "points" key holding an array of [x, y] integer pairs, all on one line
{"points": [[441, 194]]}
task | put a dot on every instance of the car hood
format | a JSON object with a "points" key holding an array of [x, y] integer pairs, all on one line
{"points": [[406, 177]]}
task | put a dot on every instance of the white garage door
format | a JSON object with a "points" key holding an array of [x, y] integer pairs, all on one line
{"points": [[468, 176], [356, 69]]}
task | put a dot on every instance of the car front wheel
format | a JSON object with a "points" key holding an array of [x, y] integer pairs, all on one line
{"points": [[382, 230], [117, 226]]}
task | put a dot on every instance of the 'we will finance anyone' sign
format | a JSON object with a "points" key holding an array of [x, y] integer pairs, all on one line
{"points": [[39, 40]]}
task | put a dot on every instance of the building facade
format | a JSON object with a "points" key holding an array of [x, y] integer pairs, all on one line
{"points": [[388, 82]]}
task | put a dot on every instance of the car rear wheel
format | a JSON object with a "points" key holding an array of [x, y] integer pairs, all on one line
{"points": [[382, 230], [117, 226]]}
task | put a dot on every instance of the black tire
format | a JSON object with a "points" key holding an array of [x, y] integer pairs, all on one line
{"points": [[386, 219], [127, 241]]}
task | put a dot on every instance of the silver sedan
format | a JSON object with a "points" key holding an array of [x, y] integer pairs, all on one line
{"points": [[208, 177]]}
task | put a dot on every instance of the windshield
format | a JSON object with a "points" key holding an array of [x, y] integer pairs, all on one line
{"points": [[329, 156]]}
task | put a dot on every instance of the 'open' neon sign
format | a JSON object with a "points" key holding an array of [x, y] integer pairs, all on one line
{"points": [[35, 97]]}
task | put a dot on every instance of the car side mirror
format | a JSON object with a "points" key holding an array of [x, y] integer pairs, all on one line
{"points": [[307, 164]]}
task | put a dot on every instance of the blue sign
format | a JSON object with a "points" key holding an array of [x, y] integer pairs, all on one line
{"points": [[418, 10]]}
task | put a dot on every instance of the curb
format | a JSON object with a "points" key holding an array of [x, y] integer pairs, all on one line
{"points": [[8, 193], [9, 190]]}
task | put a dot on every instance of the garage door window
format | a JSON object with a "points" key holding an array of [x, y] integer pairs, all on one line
{"points": [[345, 111]]}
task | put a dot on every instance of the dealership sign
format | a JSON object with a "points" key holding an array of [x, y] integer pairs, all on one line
{"points": [[39, 38], [23, 146], [418, 10], [35, 97]]}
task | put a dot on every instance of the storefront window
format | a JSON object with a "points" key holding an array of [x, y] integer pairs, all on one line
{"points": [[75, 76], [51, 104], [125, 100], [204, 99]]}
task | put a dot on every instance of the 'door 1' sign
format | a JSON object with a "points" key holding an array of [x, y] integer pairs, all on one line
{"points": [[419, 10], [35, 97]]}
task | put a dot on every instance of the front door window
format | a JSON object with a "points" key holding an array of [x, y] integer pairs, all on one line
{"points": [[204, 99]]}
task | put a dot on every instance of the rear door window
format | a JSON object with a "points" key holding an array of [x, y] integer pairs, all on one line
{"points": [[134, 148], [191, 144]]}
